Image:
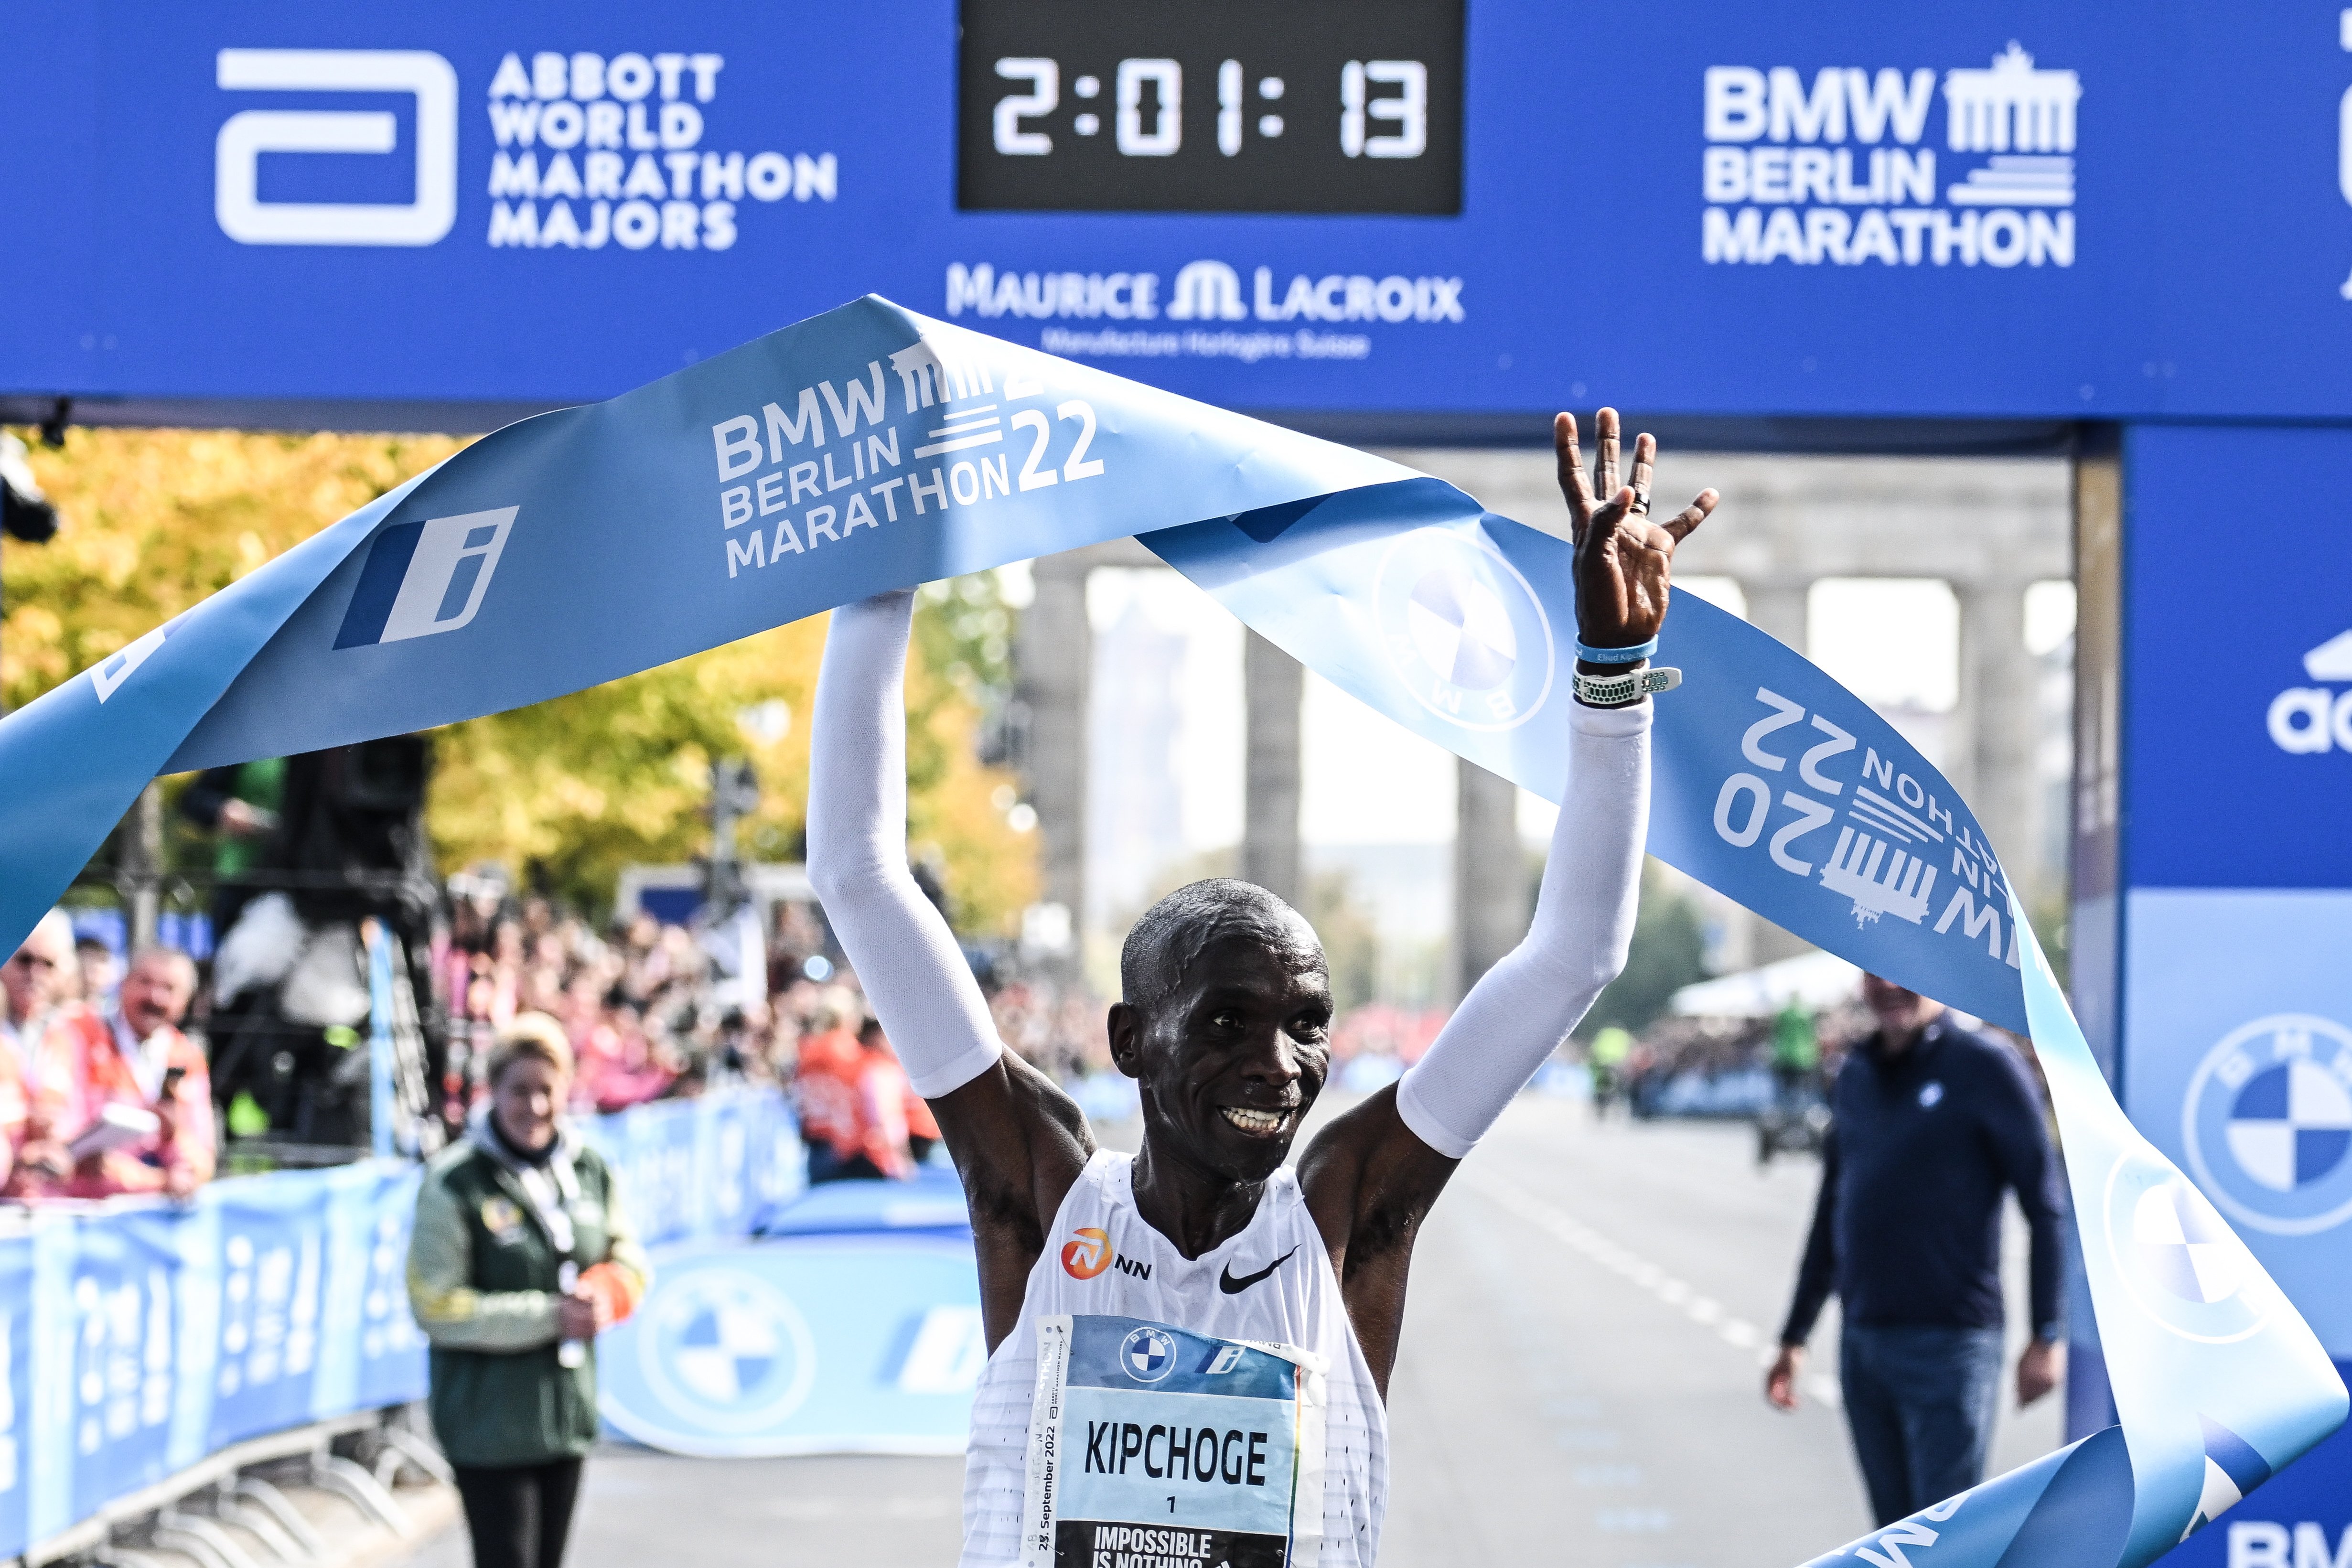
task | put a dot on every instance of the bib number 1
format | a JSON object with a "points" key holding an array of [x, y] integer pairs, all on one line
{"points": [[1150, 1443]]}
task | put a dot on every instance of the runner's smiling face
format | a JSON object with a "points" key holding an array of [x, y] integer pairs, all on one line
{"points": [[1232, 1056]]}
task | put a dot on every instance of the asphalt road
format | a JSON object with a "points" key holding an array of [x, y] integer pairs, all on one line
{"points": [[1579, 1384]]}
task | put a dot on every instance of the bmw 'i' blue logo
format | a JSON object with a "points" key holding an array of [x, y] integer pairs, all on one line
{"points": [[2268, 1124], [1464, 630]]}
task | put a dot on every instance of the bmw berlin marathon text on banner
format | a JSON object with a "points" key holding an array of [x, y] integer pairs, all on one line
{"points": [[1971, 227], [872, 447]]}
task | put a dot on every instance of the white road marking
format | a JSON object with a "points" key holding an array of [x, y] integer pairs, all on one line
{"points": [[1580, 1238]]}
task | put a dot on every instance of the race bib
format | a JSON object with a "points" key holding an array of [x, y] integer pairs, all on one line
{"points": [[1153, 1447]]}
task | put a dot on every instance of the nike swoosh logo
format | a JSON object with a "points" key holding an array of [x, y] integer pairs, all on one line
{"points": [[1232, 1287]]}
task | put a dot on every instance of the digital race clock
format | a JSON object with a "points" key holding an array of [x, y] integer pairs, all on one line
{"points": [[1295, 106]]}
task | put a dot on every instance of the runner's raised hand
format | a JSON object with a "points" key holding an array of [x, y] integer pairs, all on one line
{"points": [[1624, 557]]}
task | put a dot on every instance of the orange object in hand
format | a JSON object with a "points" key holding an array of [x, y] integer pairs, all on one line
{"points": [[616, 1291]]}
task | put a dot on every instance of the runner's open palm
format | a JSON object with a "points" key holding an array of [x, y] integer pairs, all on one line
{"points": [[1624, 558]]}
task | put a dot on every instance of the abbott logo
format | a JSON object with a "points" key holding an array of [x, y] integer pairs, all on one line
{"points": [[425, 577], [244, 216]]}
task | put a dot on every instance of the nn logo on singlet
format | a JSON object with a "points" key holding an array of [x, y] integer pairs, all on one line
{"points": [[1088, 1253]]}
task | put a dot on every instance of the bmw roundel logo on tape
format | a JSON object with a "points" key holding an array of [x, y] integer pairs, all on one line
{"points": [[2268, 1124], [1464, 630], [727, 1350], [1148, 1354], [2181, 1263]]}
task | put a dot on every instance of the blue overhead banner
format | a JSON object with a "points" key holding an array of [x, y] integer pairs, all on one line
{"points": [[2050, 211], [871, 447]]}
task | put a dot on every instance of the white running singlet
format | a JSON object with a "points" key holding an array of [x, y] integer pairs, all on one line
{"points": [[1270, 1286]]}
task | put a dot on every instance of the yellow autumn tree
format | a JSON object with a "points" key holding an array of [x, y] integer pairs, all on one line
{"points": [[578, 787]]}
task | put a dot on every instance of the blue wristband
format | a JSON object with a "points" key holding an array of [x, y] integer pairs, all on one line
{"points": [[1633, 655]]}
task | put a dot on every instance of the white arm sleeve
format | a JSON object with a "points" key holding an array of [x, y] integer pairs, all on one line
{"points": [[1518, 1013], [914, 974]]}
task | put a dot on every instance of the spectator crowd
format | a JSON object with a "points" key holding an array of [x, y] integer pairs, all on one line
{"points": [[652, 1014], [101, 1093], [104, 1087], [105, 1091]]}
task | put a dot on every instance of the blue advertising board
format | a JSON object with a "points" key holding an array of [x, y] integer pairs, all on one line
{"points": [[2234, 865], [2046, 211], [137, 1337], [717, 1165], [807, 1344], [2237, 735], [15, 1383]]}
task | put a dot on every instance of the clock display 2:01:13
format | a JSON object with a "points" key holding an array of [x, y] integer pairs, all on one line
{"points": [[1314, 108]]}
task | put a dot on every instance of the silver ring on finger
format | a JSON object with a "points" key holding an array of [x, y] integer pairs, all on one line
{"points": [[1641, 506]]}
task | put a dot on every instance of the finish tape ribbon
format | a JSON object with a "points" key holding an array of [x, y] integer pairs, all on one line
{"points": [[870, 448]]}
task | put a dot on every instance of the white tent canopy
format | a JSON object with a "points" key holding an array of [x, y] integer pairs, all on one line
{"points": [[1812, 980]]}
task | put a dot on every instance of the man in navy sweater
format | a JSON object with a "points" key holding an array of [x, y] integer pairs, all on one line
{"points": [[1933, 1123]]}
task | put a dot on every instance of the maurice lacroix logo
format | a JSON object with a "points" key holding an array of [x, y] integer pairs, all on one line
{"points": [[2308, 719], [1206, 311], [589, 151], [1840, 169]]}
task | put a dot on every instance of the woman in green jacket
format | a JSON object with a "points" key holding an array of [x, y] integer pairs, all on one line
{"points": [[520, 1257]]}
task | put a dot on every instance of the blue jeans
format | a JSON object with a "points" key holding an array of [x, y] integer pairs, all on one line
{"points": [[1920, 1403]]}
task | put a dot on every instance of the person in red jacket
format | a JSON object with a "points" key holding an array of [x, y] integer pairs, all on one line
{"points": [[825, 1087], [854, 1106], [135, 1060]]}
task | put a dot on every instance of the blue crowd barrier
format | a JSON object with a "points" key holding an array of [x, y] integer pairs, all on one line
{"points": [[813, 1342], [139, 1336], [706, 1168]]}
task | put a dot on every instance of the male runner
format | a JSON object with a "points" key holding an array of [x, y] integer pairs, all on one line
{"points": [[1190, 1348]]}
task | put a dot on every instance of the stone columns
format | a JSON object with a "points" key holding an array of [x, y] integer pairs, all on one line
{"points": [[2000, 719], [1490, 878], [1273, 684], [1777, 606], [142, 864], [1055, 670]]}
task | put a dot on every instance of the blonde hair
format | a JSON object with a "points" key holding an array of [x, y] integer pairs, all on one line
{"points": [[532, 1034]]}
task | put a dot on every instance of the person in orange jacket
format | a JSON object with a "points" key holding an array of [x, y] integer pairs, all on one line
{"points": [[134, 1057]]}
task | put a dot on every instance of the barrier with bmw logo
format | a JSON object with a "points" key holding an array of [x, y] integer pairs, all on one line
{"points": [[870, 448], [137, 1337], [836, 1344], [851, 1326]]}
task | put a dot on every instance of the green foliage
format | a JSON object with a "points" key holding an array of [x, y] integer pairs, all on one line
{"points": [[154, 522], [965, 630], [1351, 942], [1668, 953], [2053, 921]]}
